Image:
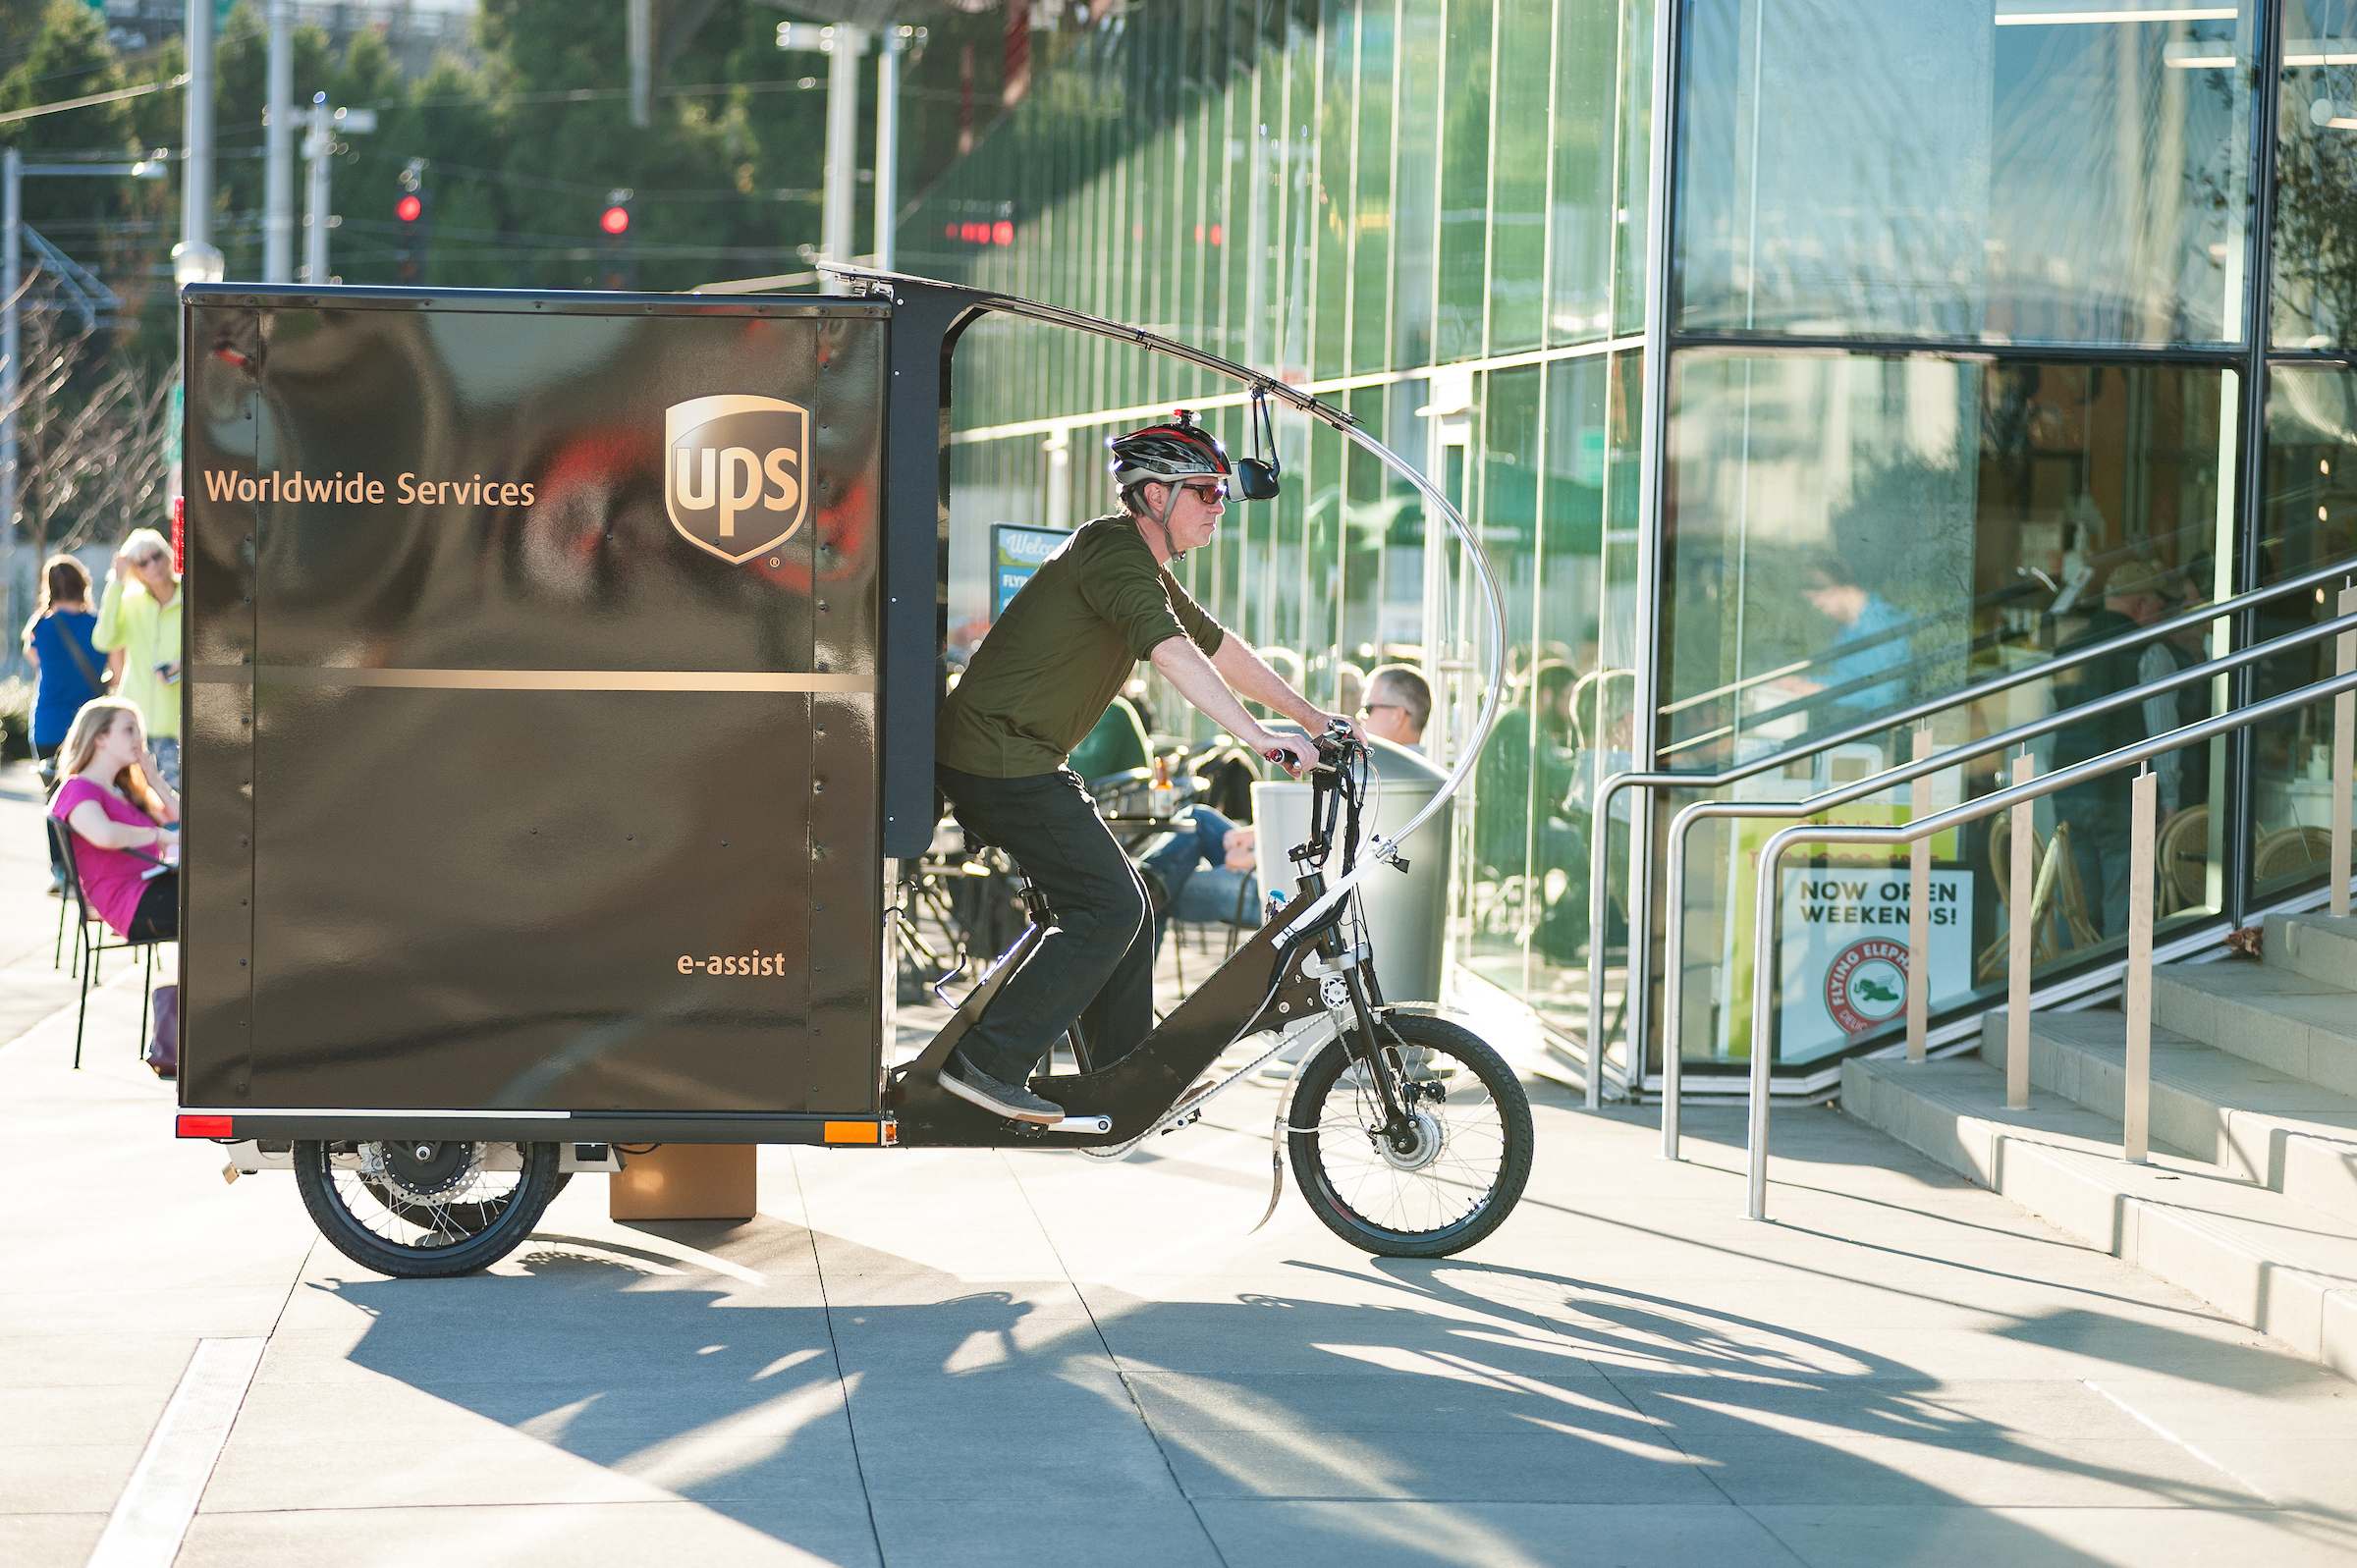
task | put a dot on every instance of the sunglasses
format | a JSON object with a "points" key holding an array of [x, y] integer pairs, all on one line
{"points": [[1377, 707], [145, 560], [1211, 495]]}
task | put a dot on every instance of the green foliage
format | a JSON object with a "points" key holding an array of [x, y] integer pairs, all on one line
{"points": [[521, 144]]}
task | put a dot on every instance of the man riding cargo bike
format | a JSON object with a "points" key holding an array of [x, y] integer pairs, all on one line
{"points": [[1035, 687], [434, 1026]]}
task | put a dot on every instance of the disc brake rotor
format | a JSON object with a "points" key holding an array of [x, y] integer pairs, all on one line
{"points": [[1429, 1136], [421, 1172]]}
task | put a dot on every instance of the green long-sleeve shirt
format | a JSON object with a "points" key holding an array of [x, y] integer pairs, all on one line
{"points": [[1057, 657], [148, 634]]}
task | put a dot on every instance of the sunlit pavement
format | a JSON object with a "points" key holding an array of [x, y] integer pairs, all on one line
{"points": [[921, 1358]]}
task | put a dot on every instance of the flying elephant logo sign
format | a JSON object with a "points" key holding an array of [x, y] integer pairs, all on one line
{"points": [[735, 473]]}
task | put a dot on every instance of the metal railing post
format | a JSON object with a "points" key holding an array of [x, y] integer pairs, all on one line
{"points": [[2344, 744], [1764, 991], [2144, 825], [2021, 885], [1919, 910], [1600, 871], [1673, 988]]}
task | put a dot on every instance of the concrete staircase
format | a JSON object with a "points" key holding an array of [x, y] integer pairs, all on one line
{"points": [[2250, 1199]]}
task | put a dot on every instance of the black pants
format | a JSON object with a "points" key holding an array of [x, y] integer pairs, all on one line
{"points": [[157, 918], [1096, 964]]}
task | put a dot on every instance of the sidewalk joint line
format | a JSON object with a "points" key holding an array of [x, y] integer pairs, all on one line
{"points": [[1114, 1361], [151, 1518]]}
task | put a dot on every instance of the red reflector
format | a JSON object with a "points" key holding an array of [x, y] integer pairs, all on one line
{"points": [[203, 1127], [408, 209], [615, 219]]}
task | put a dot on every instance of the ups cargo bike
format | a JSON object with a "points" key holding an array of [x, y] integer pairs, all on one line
{"points": [[558, 733]]}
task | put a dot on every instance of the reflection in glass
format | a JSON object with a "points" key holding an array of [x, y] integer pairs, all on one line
{"points": [[2316, 176], [1851, 535], [2310, 498], [2045, 175]]}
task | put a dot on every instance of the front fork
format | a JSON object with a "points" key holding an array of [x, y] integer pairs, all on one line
{"points": [[1344, 984]]}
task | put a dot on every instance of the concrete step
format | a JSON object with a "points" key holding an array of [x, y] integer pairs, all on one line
{"points": [[2320, 947], [2252, 1122], [2279, 1265], [2300, 1027]]}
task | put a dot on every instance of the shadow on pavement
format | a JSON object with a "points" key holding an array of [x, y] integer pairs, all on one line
{"points": [[821, 1405]]}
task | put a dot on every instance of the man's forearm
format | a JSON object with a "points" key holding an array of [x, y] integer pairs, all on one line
{"points": [[1248, 676], [1200, 681]]}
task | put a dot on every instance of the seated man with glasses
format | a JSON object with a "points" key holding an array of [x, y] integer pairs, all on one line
{"points": [[1035, 687], [1399, 705]]}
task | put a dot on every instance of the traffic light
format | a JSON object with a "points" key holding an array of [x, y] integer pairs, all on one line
{"points": [[621, 265], [410, 213]]}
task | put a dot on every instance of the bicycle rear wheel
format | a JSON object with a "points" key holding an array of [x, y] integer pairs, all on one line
{"points": [[1464, 1167], [422, 1211]]}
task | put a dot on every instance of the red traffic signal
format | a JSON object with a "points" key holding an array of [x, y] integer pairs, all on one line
{"points": [[410, 208], [615, 219]]}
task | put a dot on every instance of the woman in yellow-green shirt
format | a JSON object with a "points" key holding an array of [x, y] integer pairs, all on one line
{"points": [[138, 622]]}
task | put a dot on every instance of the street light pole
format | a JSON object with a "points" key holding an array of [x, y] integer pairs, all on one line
{"points": [[278, 175], [195, 256], [887, 143], [840, 209], [316, 147], [12, 355]]}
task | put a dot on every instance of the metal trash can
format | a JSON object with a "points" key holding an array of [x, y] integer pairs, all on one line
{"points": [[1407, 916]]}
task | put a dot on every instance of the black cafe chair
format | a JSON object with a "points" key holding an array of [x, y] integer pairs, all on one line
{"points": [[88, 948]]}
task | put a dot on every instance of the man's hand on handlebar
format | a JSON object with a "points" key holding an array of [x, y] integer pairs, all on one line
{"points": [[1293, 752]]}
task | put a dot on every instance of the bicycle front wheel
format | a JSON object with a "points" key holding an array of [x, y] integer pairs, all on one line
{"points": [[1460, 1174]]}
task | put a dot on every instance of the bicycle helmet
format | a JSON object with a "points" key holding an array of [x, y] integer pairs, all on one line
{"points": [[1167, 452]]}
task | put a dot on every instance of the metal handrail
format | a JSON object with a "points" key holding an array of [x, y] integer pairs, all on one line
{"points": [[1674, 936], [1764, 988], [1639, 984]]}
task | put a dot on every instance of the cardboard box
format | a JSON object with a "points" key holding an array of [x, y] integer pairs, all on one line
{"points": [[686, 1181]]}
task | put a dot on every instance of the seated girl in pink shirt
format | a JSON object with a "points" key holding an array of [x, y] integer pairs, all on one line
{"points": [[118, 816]]}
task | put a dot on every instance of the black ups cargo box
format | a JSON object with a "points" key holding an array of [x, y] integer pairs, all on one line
{"points": [[531, 709]]}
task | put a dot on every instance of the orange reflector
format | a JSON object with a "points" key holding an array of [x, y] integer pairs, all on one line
{"points": [[853, 1132], [202, 1127]]}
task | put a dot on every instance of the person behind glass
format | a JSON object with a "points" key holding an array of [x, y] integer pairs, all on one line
{"points": [[121, 820], [2136, 593], [1397, 706], [138, 622], [1035, 687], [1859, 616], [67, 667], [1350, 687], [1206, 873]]}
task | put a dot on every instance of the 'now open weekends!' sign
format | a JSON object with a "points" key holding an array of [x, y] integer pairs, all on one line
{"points": [[1845, 951]]}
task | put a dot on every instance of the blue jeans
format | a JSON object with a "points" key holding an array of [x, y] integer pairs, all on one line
{"points": [[1192, 868], [1096, 964]]}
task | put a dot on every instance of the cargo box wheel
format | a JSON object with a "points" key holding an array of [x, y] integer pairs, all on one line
{"points": [[420, 1211]]}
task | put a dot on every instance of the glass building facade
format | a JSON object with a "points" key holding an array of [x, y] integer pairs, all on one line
{"points": [[1986, 332]]}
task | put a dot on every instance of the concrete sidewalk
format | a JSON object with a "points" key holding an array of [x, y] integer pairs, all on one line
{"points": [[965, 1359]]}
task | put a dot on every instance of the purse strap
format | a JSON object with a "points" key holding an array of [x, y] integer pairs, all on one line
{"points": [[74, 647]]}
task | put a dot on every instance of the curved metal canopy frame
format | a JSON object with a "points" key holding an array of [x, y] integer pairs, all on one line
{"points": [[925, 304]]}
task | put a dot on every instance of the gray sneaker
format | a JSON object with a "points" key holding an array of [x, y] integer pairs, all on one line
{"points": [[968, 1082]]}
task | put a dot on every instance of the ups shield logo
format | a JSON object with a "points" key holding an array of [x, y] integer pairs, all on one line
{"points": [[735, 480]]}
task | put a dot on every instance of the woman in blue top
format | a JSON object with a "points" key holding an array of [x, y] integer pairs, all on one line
{"points": [[72, 671]]}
